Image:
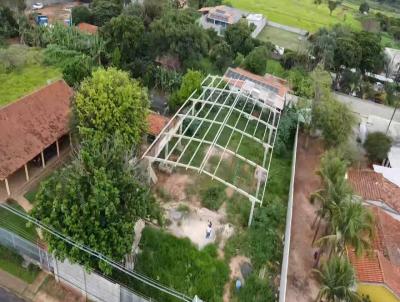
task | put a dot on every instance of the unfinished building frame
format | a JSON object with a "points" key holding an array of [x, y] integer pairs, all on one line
{"points": [[226, 132]]}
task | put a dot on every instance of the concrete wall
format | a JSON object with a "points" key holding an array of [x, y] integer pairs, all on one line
{"points": [[29, 3], [377, 293]]}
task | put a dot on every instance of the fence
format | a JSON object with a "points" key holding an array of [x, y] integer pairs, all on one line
{"points": [[92, 285], [286, 249], [291, 29]]}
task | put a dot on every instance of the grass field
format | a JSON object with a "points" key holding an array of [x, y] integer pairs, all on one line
{"points": [[303, 14], [16, 224], [283, 38], [18, 83]]}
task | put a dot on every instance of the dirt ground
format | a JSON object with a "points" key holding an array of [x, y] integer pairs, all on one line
{"points": [[302, 286], [58, 12]]}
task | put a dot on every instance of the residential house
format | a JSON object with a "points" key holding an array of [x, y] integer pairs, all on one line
{"points": [[222, 16], [378, 270]]}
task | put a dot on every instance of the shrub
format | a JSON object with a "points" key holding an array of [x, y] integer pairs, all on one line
{"points": [[213, 197], [76, 70], [256, 60], [81, 14], [377, 145], [255, 290]]}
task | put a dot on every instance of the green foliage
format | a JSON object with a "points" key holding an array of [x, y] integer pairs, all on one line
{"points": [[238, 59], [213, 197], [222, 55], [335, 120], [12, 263], [125, 33], [8, 23], [191, 81], [104, 10], [238, 36], [377, 145], [287, 128], [95, 200], [301, 83], [332, 4], [180, 265], [76, 70], [337, 281], [177, 33], [364, 7], [256, 60], [80, 14], [167, 80], [111, 104], [275, 68], [15, 57], [60, 56]]}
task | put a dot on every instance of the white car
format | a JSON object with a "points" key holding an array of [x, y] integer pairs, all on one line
{"points": [[37, 5]]}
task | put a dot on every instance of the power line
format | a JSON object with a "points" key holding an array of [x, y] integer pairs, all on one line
{"points": [[100, 256]]}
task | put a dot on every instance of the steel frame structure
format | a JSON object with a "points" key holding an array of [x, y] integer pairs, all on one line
{"points": [[223, 106]]}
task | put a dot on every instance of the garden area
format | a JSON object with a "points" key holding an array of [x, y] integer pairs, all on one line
{"points": [[22, 71], [284, 38]]}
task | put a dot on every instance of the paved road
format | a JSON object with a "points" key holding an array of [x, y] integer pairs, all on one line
{"points": [[365, 108], [6, 296]]}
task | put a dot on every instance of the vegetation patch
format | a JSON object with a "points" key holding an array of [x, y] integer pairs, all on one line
{"points": [[11, 262], [179, 264], [283, 38]]}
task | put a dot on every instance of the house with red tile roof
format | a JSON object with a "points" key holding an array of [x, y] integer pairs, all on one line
{"points": [[31, 127], [375, 189], [156, 122], [378, 271]]}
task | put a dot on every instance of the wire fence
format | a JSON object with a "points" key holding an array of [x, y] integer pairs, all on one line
{"points": [[92, 285]]}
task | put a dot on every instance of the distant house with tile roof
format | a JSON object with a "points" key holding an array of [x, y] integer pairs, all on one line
{"points": [[375, 189], [378, 271]]}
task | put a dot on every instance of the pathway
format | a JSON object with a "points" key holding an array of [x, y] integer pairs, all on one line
{"points": [[301, 285], [6, 296]]}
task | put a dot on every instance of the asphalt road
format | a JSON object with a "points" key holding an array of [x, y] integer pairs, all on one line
{"points": [[6, 296]]}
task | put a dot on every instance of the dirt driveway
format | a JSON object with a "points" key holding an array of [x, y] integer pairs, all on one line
{"points": [[301, 286]]}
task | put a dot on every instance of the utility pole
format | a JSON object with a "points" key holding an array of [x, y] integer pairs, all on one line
{"points": [[391, 119]]}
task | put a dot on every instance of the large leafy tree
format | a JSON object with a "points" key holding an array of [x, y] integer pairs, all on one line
{"points": [[8, 24], [222, 55], [191, 82], [105, 10], [337, 281], [256, 60], [80, 14], [372, 57], [238, 36], [124, 34], [111, 104], [377, 145], [95, 201], [177, 33]]}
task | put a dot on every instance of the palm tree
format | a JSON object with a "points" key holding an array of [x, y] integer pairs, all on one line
{"points": [[337, 281], [350, 224]]}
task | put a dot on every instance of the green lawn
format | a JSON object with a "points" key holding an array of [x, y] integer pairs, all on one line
{"points": [[283, 38], [300, 13], [16, 224], [27, 79], [12, 263]]}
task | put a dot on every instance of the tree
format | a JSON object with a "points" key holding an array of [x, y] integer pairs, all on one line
{"points": [[337, 281], [191, 81], [238, 36], [222, 55], [372, 56], [105, 10], [80, 14], [364, 7], [126, 34], [177, 33], [332, 5], [111, 104], [8, 24], [76, 70], [95, 201], [335, 120], [377, 145], [256, 60]]}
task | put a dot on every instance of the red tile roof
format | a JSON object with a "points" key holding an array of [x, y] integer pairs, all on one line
{"points": [[373, 186], [374, 267], [87, 28], [31, 124], [156, 123]]}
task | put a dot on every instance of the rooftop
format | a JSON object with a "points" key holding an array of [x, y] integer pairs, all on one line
{"points": [[31, 124], [224, 13], [382, 264], [87, 28], [373, 186]]}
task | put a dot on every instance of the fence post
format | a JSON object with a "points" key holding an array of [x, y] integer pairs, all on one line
{"points": [[56, 269], [13, 241]]}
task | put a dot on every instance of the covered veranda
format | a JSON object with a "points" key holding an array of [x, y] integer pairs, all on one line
{"points": [[34, 131]]}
